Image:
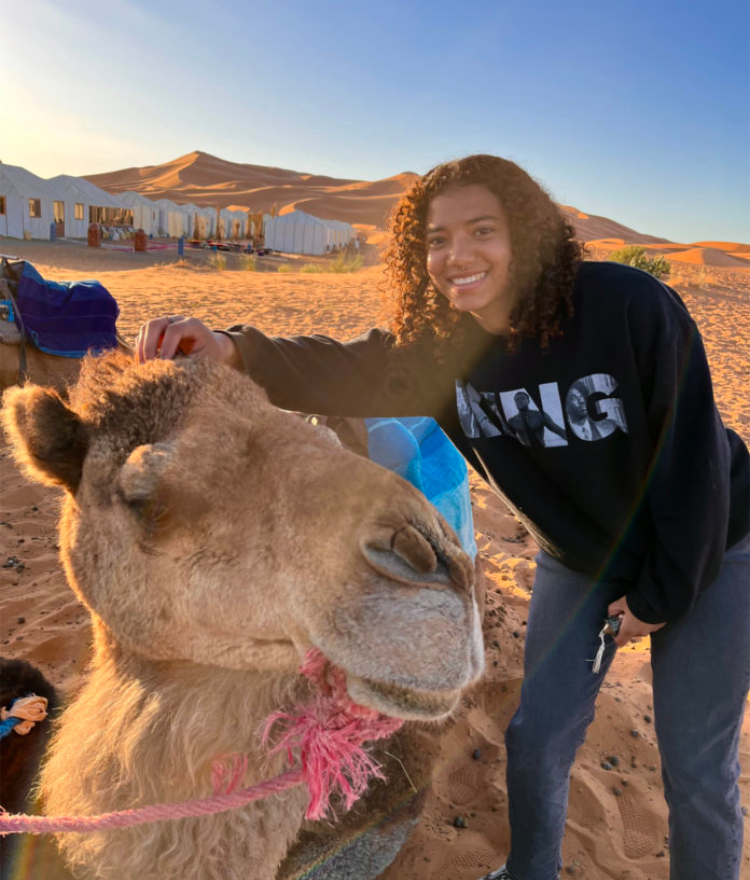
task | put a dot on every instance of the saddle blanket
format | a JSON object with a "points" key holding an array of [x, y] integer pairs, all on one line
{"points": [[419, 451], [67, 319]]}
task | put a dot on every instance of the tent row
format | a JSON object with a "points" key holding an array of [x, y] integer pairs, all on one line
{"points": [[31, 205], [300, 233]]}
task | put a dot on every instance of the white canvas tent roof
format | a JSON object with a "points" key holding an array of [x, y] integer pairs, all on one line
{"points": [[18, 186], [14, 178], [89, 192], [132, 198]]}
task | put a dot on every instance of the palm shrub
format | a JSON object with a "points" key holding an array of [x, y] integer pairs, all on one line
{"points": [[637, 257], [347, 263]]}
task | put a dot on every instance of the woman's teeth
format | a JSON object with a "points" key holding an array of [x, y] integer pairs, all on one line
{"points": [[468, 279]]}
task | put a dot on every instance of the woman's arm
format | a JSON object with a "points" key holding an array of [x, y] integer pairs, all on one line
{"points": [[364, 377], [687, 488]]}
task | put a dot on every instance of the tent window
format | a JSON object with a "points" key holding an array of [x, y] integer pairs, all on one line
{"points": [[35, 207], [79, 211], [59, 209], [2, 204]]}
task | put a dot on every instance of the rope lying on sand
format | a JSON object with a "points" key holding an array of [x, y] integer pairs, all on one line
{"points": [[327, 734]]}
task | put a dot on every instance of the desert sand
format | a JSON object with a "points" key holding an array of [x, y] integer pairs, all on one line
{"points": [[617, 822]]}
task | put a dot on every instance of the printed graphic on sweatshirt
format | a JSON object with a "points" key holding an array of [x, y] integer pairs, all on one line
{"points": [[540, 419]]}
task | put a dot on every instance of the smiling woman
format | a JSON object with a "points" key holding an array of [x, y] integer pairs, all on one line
{"points": [[469, 254], [514, 228], [581, 392]]}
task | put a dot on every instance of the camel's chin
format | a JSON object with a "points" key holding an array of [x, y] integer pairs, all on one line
{"points": [[401, 702]]}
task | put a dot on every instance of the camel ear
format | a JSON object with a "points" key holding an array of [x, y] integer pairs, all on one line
{"points": [[47, 437], [143, 472]]}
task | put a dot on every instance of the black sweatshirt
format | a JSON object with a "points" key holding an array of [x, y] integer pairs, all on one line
{"points": [[608, 445]]}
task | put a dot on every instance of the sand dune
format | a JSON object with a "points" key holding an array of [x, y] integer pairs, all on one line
{"points": [[708, 256], [609, 835], [589, 227], [207, 180], [682, 253], [203, 180], [731, 247]]}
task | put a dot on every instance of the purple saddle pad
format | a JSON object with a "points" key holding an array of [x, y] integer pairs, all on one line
{"points": [[68, 318]]}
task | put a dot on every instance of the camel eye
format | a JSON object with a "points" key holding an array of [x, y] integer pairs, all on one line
{"points": [[150, 512]]}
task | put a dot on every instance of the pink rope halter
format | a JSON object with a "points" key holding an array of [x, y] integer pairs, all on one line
{"points": [[327, 735]]}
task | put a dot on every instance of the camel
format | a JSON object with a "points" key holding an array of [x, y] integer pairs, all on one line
{"points": [[214, 540]]}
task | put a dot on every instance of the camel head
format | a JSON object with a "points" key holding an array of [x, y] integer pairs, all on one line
{"points": [[203, 525]]}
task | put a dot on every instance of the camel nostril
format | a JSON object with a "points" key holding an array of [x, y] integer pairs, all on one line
{"points": [[414, 556], [414, 549]]}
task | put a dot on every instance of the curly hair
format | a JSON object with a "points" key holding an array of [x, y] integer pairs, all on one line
{"points": [[544, 262]]}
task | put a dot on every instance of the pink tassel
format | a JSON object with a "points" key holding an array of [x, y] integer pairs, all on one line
{"points": [[225, 779], [328, 736]]}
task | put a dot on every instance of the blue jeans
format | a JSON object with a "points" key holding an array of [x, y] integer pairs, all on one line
{"points": [[701, 676]]}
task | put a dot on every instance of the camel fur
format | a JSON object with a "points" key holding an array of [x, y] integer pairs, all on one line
{"points": [[215, 540]]}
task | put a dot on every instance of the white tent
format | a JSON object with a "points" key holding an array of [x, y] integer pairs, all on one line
{"points": [[28, 203], [233, 223], [199, 224], [238, 228], [90, 204], [173, 221], [210, 215], [341, 233], [300, 233], [145, 212]]}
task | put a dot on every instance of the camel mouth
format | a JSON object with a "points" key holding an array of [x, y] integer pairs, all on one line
{"points": [[401, 702]]}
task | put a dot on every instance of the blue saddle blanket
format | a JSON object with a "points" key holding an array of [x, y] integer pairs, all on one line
{"points": [[68, 318], [418, 450]]}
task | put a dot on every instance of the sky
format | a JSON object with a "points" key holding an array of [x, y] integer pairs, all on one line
{"points": [[637, 111]]}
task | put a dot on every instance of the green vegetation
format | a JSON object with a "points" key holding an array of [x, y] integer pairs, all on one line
{"points": [[341, 264], [638, 258], [218, 261], [285, 267]]}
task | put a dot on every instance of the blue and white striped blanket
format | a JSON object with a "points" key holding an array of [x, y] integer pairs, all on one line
{"points": [[419, 451]]}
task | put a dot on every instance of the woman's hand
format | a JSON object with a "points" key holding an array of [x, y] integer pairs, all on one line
{"points": [[168, 336], [630, 627]]}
